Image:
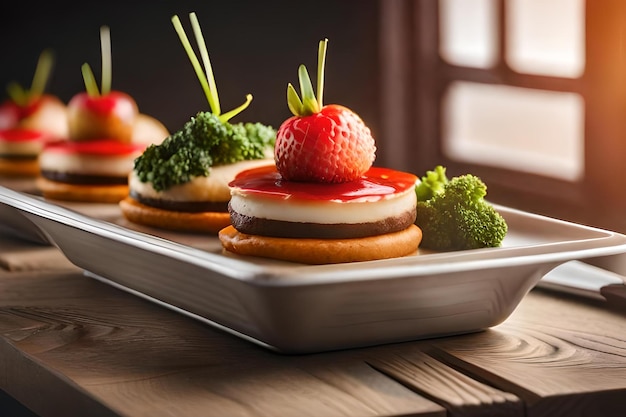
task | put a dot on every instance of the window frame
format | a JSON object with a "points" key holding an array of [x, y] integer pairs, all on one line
{"points": [[415, 78]]}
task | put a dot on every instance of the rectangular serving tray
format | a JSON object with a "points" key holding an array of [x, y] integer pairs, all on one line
{"points": [[294, 308]]}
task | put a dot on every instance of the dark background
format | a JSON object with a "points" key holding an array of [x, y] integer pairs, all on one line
{"points": [[255, 47]]}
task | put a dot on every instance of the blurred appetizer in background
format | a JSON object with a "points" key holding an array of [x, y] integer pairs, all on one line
{"points": [[106, 133], [19, 152], [33, 109], [323, 202], [182, 184], [28, 119]]}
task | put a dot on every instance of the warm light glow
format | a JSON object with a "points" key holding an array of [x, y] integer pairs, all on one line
{"points": [[468, 31], [534, 131], [546, 37]]}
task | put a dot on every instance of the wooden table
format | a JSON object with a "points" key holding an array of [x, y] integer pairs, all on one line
{"points": [[72, 346]]}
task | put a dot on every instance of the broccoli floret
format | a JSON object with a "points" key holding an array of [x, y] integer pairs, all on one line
{"points": [[203, 142], [454, 215], [432, 183]]}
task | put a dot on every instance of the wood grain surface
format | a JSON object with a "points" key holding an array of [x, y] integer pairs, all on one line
{"points": [[94, 350], [70, 345]]}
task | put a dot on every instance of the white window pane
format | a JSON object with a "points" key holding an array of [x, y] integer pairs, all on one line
{"points": [[522, 129], [546, 37], [468, 32]]}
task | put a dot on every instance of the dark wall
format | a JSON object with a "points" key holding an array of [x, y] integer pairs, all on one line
{"points": [[255, 47]]}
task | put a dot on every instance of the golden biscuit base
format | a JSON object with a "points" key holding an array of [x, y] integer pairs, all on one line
{"points": [[84, 193], [323, 251], [209, 222], [19, 168]]}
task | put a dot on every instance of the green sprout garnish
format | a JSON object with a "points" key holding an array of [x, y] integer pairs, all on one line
{"points": [[91, 86], [309, 104], [19, 94], [206, 77]]}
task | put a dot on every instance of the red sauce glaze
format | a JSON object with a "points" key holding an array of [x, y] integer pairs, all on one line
{"points": [[23, 111], [372, 186], [30, 108], [105, 147], [104, 104], [21, 135]]}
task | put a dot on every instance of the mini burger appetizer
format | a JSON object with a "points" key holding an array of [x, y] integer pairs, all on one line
{"points": [[92, 165], [323, 202], [19, 150], [33, 109], [28, 119], [182, 184]]}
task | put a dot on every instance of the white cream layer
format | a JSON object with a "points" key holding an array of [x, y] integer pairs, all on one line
{"points": [[213, 188], [322, 212], [110, 165]]}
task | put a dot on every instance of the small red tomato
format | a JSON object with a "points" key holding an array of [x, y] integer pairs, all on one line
{"points": [[111, 116]]}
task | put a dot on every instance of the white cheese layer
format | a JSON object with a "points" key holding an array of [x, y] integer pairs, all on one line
{"points": [[322, 212], [71, 163], [213, 188]]}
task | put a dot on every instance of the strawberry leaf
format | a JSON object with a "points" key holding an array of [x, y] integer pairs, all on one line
{"points": [[309, 101], [21, 96], [17, 93], [321, 64], [90, 81], [42, 74], [310, 104], [293, 101]]}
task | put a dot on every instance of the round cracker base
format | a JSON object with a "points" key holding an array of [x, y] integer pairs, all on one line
{"points": [[84, 193], [19, 168], [323, 251], [208, 222]]}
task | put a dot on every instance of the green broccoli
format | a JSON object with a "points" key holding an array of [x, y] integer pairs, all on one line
{"points": [[203, 142], [454, 215]]}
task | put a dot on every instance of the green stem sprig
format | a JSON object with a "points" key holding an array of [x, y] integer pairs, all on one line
{"points": [[22, 96], [107, 67], [206, 77], [91, 86], [309, 104]]}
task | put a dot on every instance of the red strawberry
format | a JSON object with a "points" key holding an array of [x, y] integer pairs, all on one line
{"points": [[321, 143]]}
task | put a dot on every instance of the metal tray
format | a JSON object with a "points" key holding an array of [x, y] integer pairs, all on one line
{"points": [[293, 308]]}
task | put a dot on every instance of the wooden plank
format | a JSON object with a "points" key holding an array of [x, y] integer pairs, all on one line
{"points": [[459, 393], [19, 255], [74, 346], [561, 356]]}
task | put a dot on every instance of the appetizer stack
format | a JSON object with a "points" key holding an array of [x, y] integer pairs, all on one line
{"points": [[182, 184], [28, 119], [93, 164], [323, 202]]}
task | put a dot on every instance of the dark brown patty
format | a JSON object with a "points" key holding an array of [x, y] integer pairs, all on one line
{"points": [[18, 157], [183, 206], [277, 228], [83, 179]]}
